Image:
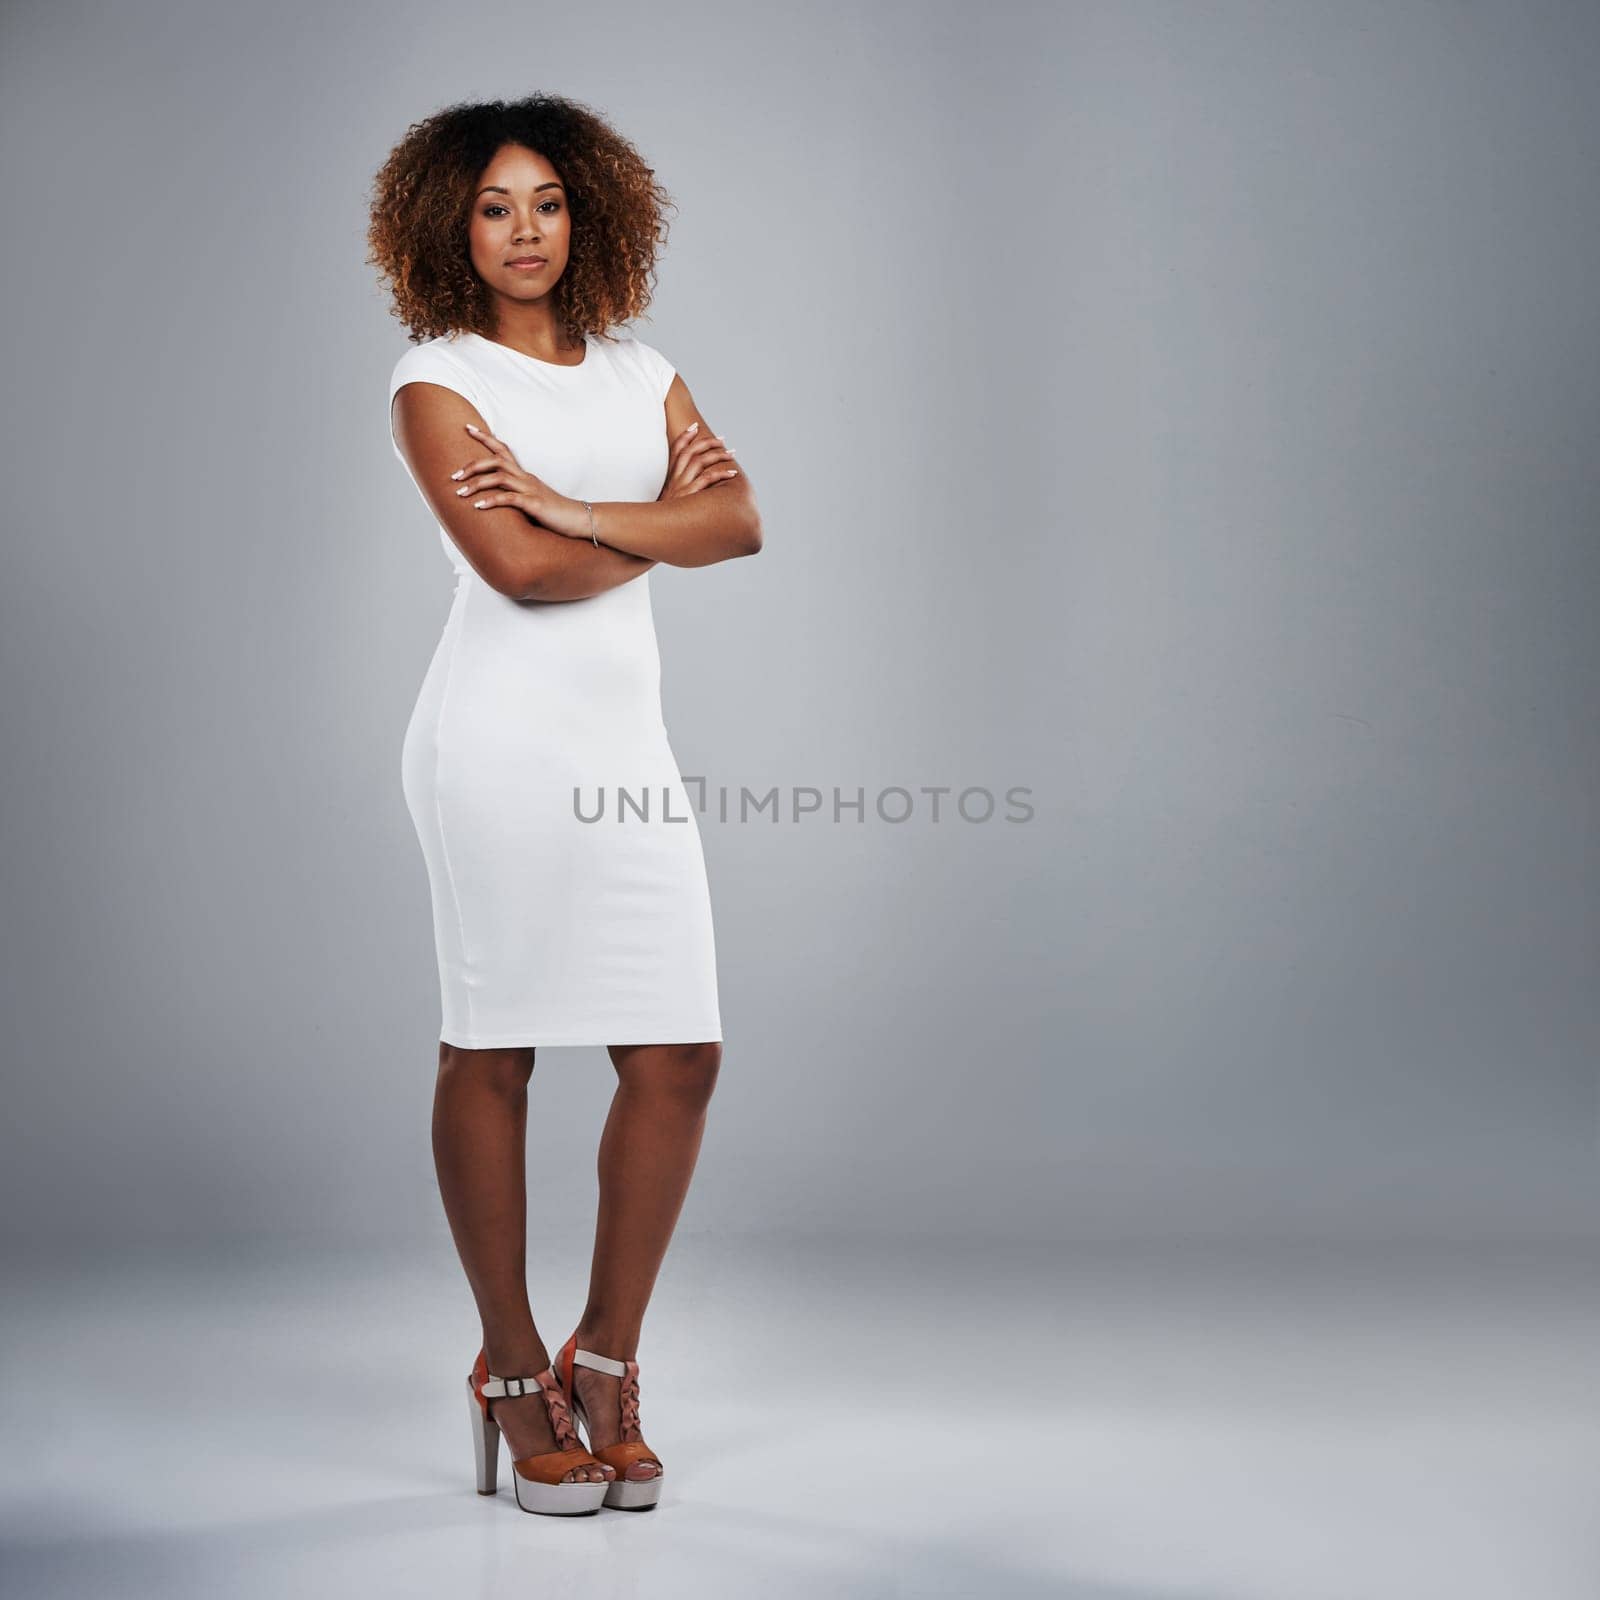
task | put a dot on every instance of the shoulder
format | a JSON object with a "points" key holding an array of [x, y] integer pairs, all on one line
{"points": [[646, 359], [443, 361]]}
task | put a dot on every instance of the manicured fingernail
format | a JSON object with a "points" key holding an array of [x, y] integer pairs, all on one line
{"points": [[464, 489], [692, 427], [478, 505], [457, 474], [470, 428]]}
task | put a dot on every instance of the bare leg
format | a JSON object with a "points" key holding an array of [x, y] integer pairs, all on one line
{"points": [[648, 1151], [480, 1128]]}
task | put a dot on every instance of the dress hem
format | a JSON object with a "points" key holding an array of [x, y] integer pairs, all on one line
{"points": [[521, 1041]]}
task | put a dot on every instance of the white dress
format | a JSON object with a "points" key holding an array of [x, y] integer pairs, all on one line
{"points": [[551, 929]]}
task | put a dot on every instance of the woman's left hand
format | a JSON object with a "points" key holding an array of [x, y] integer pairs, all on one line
{"points": [[498, 480]]}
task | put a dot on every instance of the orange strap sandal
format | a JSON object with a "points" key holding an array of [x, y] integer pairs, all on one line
{"points": [[622, 1493], [537, 1478]]}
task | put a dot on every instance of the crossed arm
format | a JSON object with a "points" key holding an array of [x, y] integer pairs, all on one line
{"points": [[533, 544]]}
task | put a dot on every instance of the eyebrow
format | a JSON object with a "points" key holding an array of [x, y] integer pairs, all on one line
{"points": [[494, 188]]}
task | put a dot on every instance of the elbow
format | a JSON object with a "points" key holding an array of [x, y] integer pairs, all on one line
{"points": [[750, 537], [517, 574], [532, 584], [527, 580]]}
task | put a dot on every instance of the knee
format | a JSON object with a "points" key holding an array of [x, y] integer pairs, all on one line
{"points": [[686, 1074], [501, 1072]]}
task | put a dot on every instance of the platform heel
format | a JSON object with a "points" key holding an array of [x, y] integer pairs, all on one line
{"points": [[485, 1441], [536, 1478], [622, 1493]]}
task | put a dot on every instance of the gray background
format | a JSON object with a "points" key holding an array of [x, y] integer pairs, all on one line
{"points": [[1186, 411]]}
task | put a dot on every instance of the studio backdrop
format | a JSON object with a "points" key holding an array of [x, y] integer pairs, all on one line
{"points": [[1148, 774]]}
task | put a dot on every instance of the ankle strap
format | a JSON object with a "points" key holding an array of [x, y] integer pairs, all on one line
{"points": [[587, 1358], [501, 1388]]}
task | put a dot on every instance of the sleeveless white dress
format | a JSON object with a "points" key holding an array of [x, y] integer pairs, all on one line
{"points": [[550, 928]]}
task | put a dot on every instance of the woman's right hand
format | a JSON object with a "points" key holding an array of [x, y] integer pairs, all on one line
{"points": [[696, 463]]}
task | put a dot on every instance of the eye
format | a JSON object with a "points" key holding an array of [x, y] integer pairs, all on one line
{"points": [[489, 210], [555, 203]]}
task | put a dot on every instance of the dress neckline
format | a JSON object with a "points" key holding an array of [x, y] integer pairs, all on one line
{"points": [[548, 366]]}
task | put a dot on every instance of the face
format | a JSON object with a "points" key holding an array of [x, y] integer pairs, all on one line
{"points": [[519, 210]]}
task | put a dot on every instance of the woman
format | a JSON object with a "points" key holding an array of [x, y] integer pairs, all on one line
{"points": [[562, 462]]}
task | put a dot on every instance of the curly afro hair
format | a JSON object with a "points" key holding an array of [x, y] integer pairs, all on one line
{"points": [[422, 202]]}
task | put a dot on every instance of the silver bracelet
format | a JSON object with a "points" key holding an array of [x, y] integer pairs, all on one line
{"points": [[590, 509]]}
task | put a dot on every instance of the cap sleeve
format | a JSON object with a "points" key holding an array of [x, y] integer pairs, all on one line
{"points": [[431, 363], [661, 371]]}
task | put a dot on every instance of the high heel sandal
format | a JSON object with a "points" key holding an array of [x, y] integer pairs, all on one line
{"points": [[623, 1493], [536, 1478]]}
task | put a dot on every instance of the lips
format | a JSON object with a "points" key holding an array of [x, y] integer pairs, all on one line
{"points": [[526, 261]]}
